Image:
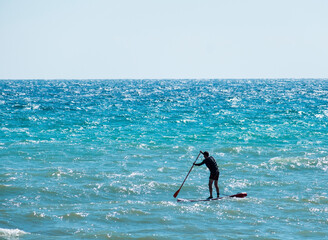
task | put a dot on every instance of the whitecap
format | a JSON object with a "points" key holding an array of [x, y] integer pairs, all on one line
{"points": [[319, 115], [325, 112], [142, 146], [75, 215], [234, 100], [11, 233], [136, 174], [296, 163], [240, 184]]}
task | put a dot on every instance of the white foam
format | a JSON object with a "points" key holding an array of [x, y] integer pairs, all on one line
{"points": [[136, 174], [11, 233]]}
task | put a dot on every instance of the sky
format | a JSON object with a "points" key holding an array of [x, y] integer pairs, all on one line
{"points": [[163, 39]]}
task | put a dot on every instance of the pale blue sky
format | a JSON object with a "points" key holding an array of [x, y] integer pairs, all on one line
{"points": [[92, 39]]}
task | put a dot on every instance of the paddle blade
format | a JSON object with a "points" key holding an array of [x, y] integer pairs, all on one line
{"points": [[176, 193], [239, 195]]}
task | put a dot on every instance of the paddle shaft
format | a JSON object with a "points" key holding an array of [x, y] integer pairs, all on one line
{"points": [[177, 192]]}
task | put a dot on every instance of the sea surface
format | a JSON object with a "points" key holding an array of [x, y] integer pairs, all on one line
{"points": [[101, 159]]}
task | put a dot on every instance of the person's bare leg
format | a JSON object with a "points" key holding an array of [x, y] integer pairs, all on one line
{"points": [[210, 187], [217, 188]]}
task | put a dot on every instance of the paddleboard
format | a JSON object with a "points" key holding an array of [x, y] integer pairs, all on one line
{"points": [[238, 195]]}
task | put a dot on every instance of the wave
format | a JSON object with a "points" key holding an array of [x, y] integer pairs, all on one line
{"points": [[74, 215], [11, 233], [296, 163], [8, 188]]}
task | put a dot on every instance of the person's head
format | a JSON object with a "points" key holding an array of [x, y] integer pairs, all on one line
{"points": [[206, 154]]}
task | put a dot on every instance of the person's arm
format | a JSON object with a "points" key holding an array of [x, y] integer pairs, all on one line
{"points": [[199, 164]]}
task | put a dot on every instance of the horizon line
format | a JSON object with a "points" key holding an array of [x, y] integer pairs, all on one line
{"points": [[165, 79]]}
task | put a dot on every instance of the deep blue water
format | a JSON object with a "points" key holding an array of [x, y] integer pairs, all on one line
{"points": [[102, 159]]}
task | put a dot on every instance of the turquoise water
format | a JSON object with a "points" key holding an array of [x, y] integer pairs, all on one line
{"points": [[102, 159]]}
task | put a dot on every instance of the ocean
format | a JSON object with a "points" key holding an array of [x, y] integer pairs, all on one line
{"points": [[101, 159]]}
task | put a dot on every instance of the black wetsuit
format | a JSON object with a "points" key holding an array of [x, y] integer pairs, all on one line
{"points": [[212, 166]]}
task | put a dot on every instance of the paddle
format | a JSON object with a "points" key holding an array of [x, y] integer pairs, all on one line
{"points": [[177, 192]]}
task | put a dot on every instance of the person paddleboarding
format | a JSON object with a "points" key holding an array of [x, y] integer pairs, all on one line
{"points": [[210, 163]]}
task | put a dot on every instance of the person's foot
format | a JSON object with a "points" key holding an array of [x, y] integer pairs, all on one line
{"points": [[210, 197]]}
